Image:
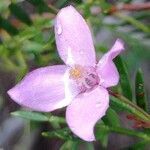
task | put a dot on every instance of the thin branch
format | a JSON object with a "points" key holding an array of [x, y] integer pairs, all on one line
{"points": [[125, 131], [130, 7], [126, 101], [122, 7]]}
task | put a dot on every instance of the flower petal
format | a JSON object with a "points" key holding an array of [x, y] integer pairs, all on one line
{"points": [[42, 89], [73, 38], [106, 69], [85, 110]]}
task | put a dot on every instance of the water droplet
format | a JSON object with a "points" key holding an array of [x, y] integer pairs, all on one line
{"points": [[98, 105], [59, 29]]}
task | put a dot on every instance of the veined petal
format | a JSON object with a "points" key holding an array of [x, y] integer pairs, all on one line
{"points": [[106, 69], [85, 110], [42, 89], [73, 38]]}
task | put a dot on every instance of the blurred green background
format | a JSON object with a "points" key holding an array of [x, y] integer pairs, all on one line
{"points": [[27, 42]]}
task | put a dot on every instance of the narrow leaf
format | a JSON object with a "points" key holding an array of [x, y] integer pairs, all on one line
{"points": [[70, 145], [134, 22], [18, 12], [140, 91], [6, 25], [89, 146], [139, 146], [61, 3], [42, 6], [57, 119], [122, 104], [124, 78], [59, 133], [123, 131], [35, 116], [102, 134], [111, 118]]}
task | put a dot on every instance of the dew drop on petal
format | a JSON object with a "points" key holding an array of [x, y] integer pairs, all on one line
{"points": [[59, 29]]}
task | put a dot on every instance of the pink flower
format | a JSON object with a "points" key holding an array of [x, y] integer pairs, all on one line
{"points": [[80, 84]]}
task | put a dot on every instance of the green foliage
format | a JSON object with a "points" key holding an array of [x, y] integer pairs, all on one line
{"points": [[102, 135], [139, 146], [124, 78], [22, 15], [140, 91], [69, 145], [63, 134], [41, 6], [135, 23], [27, 41], [111, 118], [35, 116], [123, 104], [6, 25], [122, 131]]}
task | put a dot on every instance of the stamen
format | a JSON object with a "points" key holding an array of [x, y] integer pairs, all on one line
{"points": [[86, 78], [76, 72]]}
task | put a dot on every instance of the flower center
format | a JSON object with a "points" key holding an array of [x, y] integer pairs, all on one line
{"points": [[86, 78], [76, 72]]}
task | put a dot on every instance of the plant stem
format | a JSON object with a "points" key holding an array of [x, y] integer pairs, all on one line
{"points": [[139, 111], [125, 131], [131, 7]]}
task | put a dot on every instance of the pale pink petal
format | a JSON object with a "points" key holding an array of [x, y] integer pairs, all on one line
{"points": [[85, 110], [73, 38], [42, 89], [106, 69]]}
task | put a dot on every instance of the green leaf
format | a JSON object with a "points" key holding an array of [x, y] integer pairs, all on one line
{"points": [[42, 6], [120, 103], [141, 15], [140, 91], [32, 46], [6, 25], [134, 22], [102, 134], [61, 3], [147, 130], [3, 6], [111, 118], [59, 133], [35, 116], [18, 12], [17, 1], [70, 145], [89, 146], [139, 146], [57, 119], [123, 131], [124, 78], [34, 125], [105, 6], [126, 1]]}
